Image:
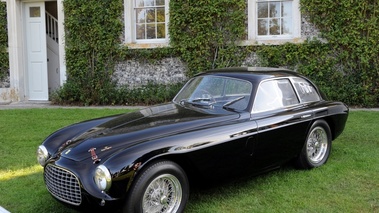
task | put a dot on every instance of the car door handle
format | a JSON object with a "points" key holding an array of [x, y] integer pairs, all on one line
{"points": [[306, 116]]}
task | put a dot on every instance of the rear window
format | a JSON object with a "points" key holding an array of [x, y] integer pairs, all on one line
{"points": [[305, 90]]}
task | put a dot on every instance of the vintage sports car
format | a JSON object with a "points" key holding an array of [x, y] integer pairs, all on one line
{"points": [[222, 122]]}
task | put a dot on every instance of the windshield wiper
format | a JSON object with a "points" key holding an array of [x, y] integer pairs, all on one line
{"points": [[197, 102], [226, 105], [200, 99]]}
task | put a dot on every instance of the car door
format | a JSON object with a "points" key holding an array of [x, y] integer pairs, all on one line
{"points": [[282, 123]]}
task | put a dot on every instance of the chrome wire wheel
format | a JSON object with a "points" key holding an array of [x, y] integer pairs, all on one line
{"points": [[317, 145], [163, 194]]}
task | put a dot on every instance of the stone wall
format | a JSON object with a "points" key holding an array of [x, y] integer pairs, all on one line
{"points": [[5, 83], [134, 73]]}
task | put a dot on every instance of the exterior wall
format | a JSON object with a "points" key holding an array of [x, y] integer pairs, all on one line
{"points": [[5, 83], [134, 73]]}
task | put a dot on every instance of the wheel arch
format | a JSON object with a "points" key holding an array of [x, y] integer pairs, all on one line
{"points": [[331, 125], [181, 159]]}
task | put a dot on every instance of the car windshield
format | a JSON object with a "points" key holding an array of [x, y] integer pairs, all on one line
{"points": [[215, 92]]}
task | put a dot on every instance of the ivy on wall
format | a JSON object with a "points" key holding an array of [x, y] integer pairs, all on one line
{"points": [[346, 66], [93, 30], [351, 28], [4, 59], [205, 35]]}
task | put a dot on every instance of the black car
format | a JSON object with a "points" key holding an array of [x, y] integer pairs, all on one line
{"points": [[221, 122]]}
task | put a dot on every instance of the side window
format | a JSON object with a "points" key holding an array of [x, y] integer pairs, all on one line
{"points": [[274, 94], [306, 91]]}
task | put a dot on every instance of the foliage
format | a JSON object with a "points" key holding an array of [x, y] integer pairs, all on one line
{"points": [[351, 28], [206, 33], [346, 66], [4, 60], [311, 58], [149, 94], [92, 38], [352, 33]]}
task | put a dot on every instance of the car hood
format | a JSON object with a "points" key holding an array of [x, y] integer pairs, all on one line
{"points": [[129, 129]]}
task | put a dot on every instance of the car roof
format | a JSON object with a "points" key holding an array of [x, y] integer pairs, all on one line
{"points": [[253, 74]]}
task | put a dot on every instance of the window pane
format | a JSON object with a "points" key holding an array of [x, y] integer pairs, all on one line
{"points": [[150, 15], [150, 31], [160, 2], [161, 30], [149, 3], [139, 3], [286, 9], [306, 91], [289, 97], [237, 87], [274, 94], [150, 19], [274, 17], [161, 15], [287, 26], [262, 10], [268, 97], [140, 15], [35, 12], [140, 31], [262, 27], [274, 27], [274, 9]]}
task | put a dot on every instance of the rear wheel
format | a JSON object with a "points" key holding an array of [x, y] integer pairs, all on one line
{"points": [[317, 146], [161, 187]]}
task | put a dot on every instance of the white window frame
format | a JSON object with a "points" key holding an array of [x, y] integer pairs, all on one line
{"points": [[130, 36], [253, 37]]}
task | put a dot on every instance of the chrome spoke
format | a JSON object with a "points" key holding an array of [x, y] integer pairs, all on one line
{"points": [[317, 145], [163, 194]]}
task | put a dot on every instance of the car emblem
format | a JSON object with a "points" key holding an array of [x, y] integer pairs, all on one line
{"points": [[94, 156], [106, 148]]}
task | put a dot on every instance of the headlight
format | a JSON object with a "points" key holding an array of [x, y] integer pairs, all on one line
{"points": [[42, 155], [102, 178]]}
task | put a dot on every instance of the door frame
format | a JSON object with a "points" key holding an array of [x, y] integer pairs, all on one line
{"points": [[36, 86], [18, 90]]}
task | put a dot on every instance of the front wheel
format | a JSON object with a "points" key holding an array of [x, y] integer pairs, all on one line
{"points": [[317, 146], [160, 187]]}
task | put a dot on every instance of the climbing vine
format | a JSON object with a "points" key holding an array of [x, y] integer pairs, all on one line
{"points": [[4, 65], [93, 30], [351, 28], [344, 61], [206, 34]]}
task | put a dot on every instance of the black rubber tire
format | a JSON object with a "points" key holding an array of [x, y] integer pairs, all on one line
{"points": [[149, 174], [304, 160]]}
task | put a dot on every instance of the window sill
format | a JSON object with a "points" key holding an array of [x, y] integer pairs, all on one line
{"points": [[146, 45], [272, 41]]}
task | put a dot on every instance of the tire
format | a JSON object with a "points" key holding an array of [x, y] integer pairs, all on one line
{"points": [[160, 187], [317, 146]]}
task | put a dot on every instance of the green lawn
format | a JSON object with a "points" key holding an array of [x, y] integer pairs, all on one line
{"points": [[349, 182]]}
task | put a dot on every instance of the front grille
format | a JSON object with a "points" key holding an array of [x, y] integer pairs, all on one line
{"points": [[63, 185]]}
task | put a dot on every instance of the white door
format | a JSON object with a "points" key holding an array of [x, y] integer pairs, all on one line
{"points": [[36, 70]]}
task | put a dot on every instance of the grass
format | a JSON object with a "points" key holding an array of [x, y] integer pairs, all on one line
{"points": [[349, 182]]}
